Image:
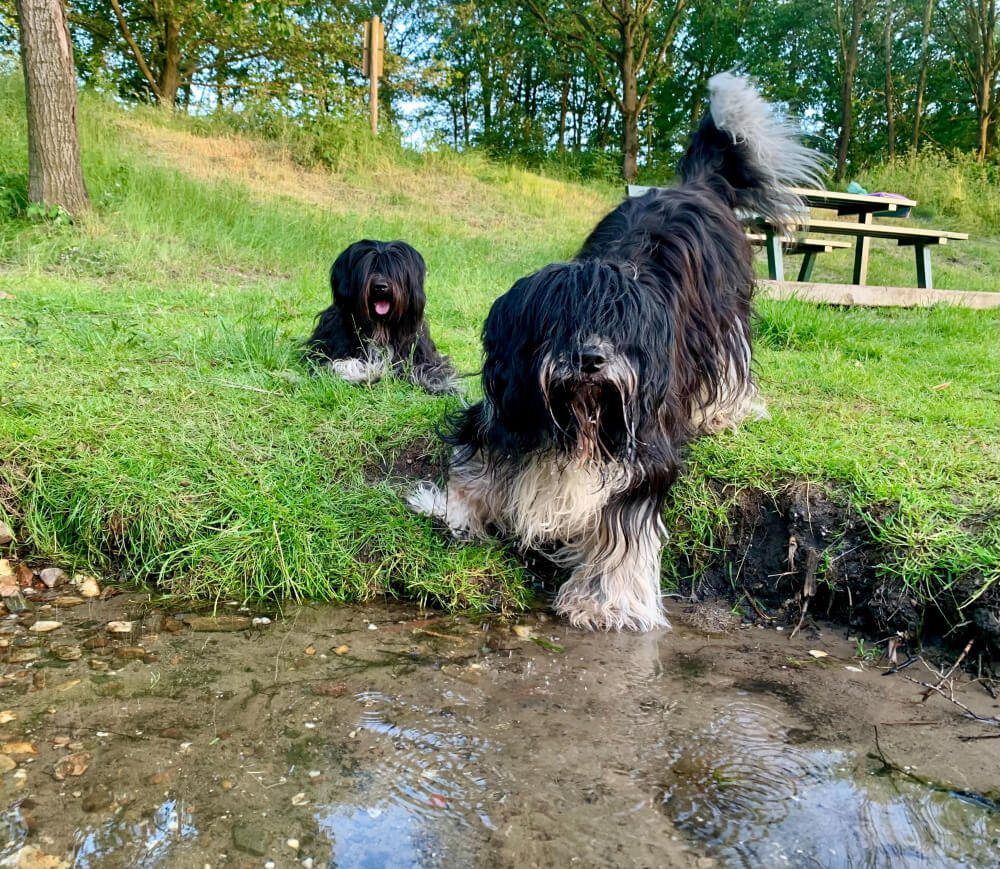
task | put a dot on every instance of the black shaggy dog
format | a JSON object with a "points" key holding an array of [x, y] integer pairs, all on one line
{"points": [[375, 325], [597, 372]]}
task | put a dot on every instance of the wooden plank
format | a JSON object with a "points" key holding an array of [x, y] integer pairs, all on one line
{"points": [[801, 245], [822, 198], [903, 234], [876, 297]]}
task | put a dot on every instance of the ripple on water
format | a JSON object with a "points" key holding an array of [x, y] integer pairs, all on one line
{"points": [[427, 789], [758, 801], [149, 842]]}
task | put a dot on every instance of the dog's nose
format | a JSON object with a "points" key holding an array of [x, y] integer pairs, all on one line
{"points": [[592, 360]]}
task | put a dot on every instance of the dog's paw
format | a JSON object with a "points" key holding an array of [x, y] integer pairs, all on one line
{"points": [[428, 500], [358, 370], [587, 614]]}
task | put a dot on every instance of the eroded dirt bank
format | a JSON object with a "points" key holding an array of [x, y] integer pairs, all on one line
{"points": [[386, 736]]}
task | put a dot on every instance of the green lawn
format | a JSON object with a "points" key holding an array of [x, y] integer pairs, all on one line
{"points": [[155, 420]]}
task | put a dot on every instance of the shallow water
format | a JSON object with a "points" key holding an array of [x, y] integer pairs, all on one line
{"points": [[434, 741]]}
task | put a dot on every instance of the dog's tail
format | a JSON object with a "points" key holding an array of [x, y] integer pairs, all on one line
{"points": [[748, 155]]}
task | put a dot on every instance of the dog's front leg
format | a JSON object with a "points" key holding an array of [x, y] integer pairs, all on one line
{"points": [[437, 378], [615, 582], [467, 504]]}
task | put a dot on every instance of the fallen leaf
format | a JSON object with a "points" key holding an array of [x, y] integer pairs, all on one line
{"points": [[944, 385], [523, 631], [342, 650], [854, 669], [30, 857], [67, 685], [300, 799], [310, 651], [87, 584], [817, 653], [329, 689], [71, 764], [18, 748], [7, 716], [545, 644], [67, 601], [438, 801]]}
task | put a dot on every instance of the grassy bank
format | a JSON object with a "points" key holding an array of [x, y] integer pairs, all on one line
{"points": [[155, 421]]}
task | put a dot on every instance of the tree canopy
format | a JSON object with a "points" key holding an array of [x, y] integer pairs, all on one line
{"points": [[603, 86]]}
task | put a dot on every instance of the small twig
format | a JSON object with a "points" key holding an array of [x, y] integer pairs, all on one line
{"points": [[906, 723], [802, 618], [244, 386], [959, 704], [912, 659], [954, 666], [984, 736], [757, 609]]}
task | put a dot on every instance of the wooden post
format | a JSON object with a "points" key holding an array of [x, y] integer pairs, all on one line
{"points": [[371, 63], [861, 250], [775, 261]]}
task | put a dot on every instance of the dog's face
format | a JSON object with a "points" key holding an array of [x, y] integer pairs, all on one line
{"points": [[379, 286], [577, 360]]}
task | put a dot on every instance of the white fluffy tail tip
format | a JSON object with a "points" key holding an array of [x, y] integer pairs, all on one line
{"points": [[773, 143]]}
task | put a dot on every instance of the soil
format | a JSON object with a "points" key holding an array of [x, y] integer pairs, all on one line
{"points": [[388, 736]]}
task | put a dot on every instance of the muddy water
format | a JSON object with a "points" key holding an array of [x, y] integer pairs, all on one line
{"points": [[390, 737]]}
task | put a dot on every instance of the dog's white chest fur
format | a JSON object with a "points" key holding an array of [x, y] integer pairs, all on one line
{"points": [[552, 500]]}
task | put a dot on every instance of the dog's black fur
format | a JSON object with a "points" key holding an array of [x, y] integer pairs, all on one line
{"points": [[597, 372], [375, 324]]}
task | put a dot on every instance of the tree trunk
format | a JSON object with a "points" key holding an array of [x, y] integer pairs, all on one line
{"points": [[918, 108], [890, 119], [850, 59], [563, 100], [170, 75], [630, 105], [54, 173]]}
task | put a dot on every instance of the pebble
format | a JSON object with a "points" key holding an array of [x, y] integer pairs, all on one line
{"points": [[293, 844], [220, 623], [43, 627], [22, 655], [6, 535], [71, 764], [67, 601], [120, 627], [66, 651], [259, 621], [52, 576], [131, 652], [6, 716], [373, 627], [16, 603], [6, 764], [523, 631], [310, 651], [342, 650], [308, 863], [300, 799]]}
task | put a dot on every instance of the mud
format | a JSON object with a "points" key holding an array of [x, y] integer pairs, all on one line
{"points": [[387, 736]]}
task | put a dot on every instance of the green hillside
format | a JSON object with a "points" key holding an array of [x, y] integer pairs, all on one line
{"points": [[157, 425]]}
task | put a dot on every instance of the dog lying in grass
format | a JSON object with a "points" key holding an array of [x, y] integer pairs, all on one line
{"points": [[375, 325]]}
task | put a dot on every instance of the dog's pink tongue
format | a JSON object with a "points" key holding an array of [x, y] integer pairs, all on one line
{"points": [[382, 308]]}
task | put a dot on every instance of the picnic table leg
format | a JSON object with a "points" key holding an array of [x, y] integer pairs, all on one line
{"points": [[775, 262], [861, 253], [924, 277], [808, 261]]}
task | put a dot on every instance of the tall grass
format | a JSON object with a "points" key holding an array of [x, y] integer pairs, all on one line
{"points": [[953, 191]]}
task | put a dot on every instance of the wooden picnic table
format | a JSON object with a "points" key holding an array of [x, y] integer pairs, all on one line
{"points": [[863, 230], [864, 206]]}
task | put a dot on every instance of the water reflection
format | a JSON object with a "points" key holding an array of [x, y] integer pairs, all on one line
{"points": [[150, 841]]}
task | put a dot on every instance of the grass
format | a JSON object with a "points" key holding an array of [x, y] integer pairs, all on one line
{"points": [[155, 421]]}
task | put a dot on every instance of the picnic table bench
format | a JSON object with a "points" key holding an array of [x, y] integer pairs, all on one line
{"points": [[863, 230]]}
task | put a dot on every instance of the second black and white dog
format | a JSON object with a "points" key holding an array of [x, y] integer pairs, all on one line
{"points": [[597, 372], [375, 324]]}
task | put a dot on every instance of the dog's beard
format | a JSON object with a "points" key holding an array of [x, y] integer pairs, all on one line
{"points": [[593, 412]]}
